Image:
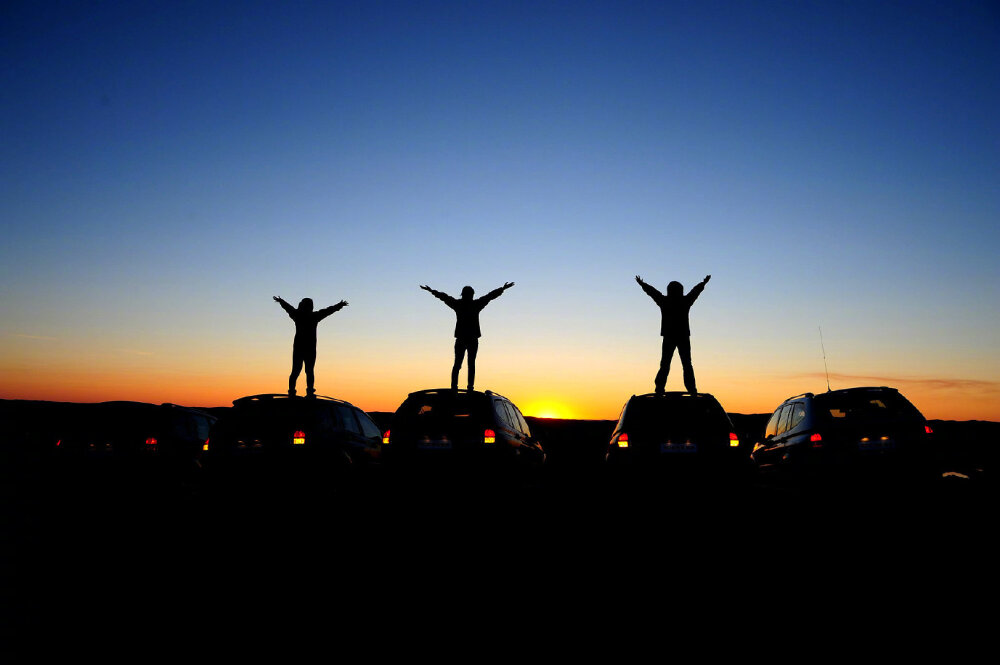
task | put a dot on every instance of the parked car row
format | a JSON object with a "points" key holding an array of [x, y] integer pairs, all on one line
{"points": [[330, 440]]}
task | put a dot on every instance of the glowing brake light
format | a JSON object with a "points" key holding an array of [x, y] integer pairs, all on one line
{"points": [[734, 441], [385, 437], [623, 440], [489, 436], [817, 440], [205, 446], [299, 438], [151, 441], [927, 428]]}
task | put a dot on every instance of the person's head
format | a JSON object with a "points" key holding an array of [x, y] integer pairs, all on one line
{"points": [[306, 305], [675, 289], [468, 292]]}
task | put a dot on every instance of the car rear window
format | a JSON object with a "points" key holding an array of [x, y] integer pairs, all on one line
{"points": [[681, 413], [866, 407]]}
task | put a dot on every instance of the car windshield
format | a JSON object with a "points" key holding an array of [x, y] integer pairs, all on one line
{"points": [[866, 407], [675, 414]]}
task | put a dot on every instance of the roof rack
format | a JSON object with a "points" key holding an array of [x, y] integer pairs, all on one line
{"points": [[798, 396], [270, 396]]}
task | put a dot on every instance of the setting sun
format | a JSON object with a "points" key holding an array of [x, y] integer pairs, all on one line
{"points": [[548, 409]]}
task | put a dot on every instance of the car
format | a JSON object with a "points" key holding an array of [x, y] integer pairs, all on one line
{"points": [[864, 428], [676, 431], [116, 442], [466, 428], [296, 439]]}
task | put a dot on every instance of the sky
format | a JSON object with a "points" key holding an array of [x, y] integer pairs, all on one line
{"points": [[168, 167]]}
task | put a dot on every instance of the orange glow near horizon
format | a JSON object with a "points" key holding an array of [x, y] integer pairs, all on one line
{"points": [[595, 400]]}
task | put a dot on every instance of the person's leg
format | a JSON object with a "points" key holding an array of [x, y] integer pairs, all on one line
{"points": [[473, 347], [459, 352], [660, 382], [310, 362], [296, 368], [684, 351]]}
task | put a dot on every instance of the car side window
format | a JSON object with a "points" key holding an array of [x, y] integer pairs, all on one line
{"points": [[786, 412], [520, 419], [368, 427], [347, 420], [772, 424], [798, 415], [504, 415]]}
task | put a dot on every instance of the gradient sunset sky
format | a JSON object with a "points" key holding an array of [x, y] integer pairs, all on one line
{"points": [[168, 167]]}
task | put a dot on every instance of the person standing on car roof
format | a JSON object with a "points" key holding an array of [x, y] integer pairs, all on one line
{"points": [[675, 329], [304, 346], [467, 332]]}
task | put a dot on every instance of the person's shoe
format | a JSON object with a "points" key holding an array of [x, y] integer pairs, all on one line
{"points": [[310, 392], [291, 392]]}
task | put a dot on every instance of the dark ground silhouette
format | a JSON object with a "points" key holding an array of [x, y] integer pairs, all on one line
{"points": [[675, 329], [467, 332], [304, 345]]}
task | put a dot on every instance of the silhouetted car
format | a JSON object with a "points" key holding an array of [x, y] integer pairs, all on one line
{"points": [[854, 428], [126, 440], [310, 438], [676, 430], [445, 427]]}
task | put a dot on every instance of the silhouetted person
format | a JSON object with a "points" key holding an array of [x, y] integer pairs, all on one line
{"points": [[467, 332], [304, 346], [675, 328]]}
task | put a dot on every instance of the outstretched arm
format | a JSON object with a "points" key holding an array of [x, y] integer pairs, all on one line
{"points": [[285, 306], [495, 293], [698, 288], [327, 311], [439, 295], [650, 291]]}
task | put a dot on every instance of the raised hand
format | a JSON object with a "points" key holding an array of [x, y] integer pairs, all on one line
{"points": [[508, 285], [707, 277], [342, 303], [425, 287]]}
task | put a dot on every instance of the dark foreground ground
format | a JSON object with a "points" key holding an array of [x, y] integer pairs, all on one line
{"points": [[465, 567]]}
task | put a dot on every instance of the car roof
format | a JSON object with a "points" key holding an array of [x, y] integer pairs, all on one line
{"points": [[674, 395], [845, 391], [449, 391], [279, 397]]}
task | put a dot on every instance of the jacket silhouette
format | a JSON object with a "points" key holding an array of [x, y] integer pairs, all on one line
{"points": [[304, 345], [675, 329], [467, 332]]}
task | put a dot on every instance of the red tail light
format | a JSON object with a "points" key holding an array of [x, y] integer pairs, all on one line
{"points": [[299, 438], [817, 440], [151, 441], [623, 440], [927, 428], [734, 441], [489, 436], [385, 437], [205, 447]]}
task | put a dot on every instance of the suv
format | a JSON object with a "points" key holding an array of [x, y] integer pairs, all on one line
{"points": [[445, 426], [278, 433], [676, 429], [107, 443], [854, 427]]}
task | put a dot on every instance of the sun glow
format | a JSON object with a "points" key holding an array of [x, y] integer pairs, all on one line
{"points": [[548, 409]]}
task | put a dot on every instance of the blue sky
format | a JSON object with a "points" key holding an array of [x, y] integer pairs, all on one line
{"points": [[167, 167]]}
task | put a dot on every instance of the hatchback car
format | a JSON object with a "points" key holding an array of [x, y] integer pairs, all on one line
{"points": [[118, 441], [860, 428], [305, 436], [676, 430], [464, 427]]}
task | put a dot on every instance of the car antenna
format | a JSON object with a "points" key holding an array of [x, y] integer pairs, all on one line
{"points": [[825, 368]]}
